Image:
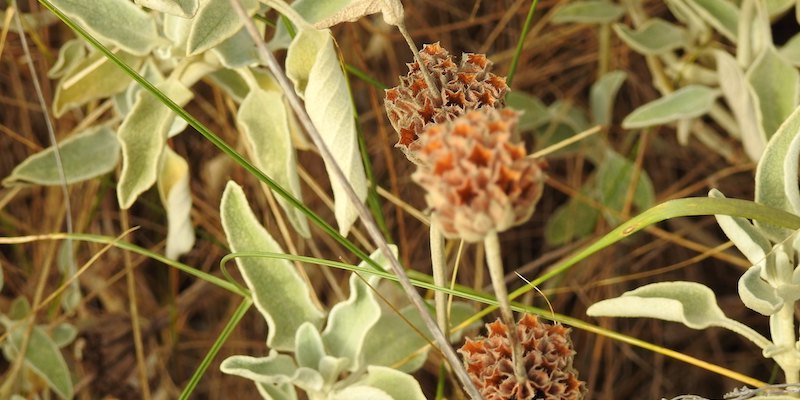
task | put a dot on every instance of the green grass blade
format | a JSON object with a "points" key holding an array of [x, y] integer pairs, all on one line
{"points": [[213, 138], [115, 242], [212, 352], [688, 207], [424, 281], [521, 43], [365, 77]]}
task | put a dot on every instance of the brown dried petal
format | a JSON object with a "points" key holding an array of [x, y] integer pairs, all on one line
{"points": [[488, 362], [411, 106]]}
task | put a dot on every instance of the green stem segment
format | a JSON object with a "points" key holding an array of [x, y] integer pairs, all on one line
{"points": [[212, 352], [494, 261], [521, 43]]}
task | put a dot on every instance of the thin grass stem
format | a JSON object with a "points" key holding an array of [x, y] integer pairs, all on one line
{"points": [[521, 43], [212, 352]]}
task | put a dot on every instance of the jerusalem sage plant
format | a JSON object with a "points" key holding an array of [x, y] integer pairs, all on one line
{"points": [[771, 286], [203, 46], [479, 182]]}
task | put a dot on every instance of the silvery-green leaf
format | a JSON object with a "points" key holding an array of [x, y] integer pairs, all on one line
{"points": [[588, 12], [119, 22], [747, 238], [19, 309], [398, 385], [124, 101], [602, 96], [263, 121], [697, 27], [275, 369], [313, 66], [393, 12], [214, 22], [182, 8], [231, 83], [43, 357], [331, 12], [614, 175], [683, 130], [781, 270], [774, 186], [534, 112], [609, 186], [408, 350], [755, 40], [65, 260], [31, 21], [309, 348], [563, 122], [63, 334], [722, 15], [284, 391], [757, 294], [575, 219], [84, 156], [70, 55], [310, 380], [278, 291], [360, 393], [234, 85], [176, 29], [567, 113], [739, 97], [143, 135], [95, 77], [237, 51], [173, 188], [350, 321], [654, 37], [791, 50], [687, 102], [776, 87], [777, 7], [690, 303], [331, 368]]}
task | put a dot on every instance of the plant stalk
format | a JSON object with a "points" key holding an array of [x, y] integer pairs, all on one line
{"points": [[494, 261], [439, 269], [369, 223]]}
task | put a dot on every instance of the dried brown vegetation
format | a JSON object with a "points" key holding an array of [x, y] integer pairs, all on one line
{"points": [[180, 317]]}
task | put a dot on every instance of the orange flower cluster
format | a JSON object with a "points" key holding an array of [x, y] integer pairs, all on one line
{"points": [[411, 106], [547, 353], [477, 180]]}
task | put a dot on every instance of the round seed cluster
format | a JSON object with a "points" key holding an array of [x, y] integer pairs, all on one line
{"points": [[411, 105], [548, 356], [477, 180]]}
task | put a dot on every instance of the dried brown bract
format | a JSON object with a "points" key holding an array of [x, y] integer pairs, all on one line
{"points": [[548, 356], [477, 180], [411, 106]]}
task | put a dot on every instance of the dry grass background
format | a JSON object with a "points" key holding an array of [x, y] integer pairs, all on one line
{"points": [[181, 316]]}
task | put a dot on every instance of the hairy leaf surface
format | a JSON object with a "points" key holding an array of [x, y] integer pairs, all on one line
{"points": [[313, 66]]}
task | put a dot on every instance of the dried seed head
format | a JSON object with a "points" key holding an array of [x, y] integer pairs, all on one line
{"points": [[477, 180], [411, 105], [548, 356]]}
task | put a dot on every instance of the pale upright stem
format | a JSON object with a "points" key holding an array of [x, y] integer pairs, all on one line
{"points": [[369, 223], [439, 267], [494, 261]]}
